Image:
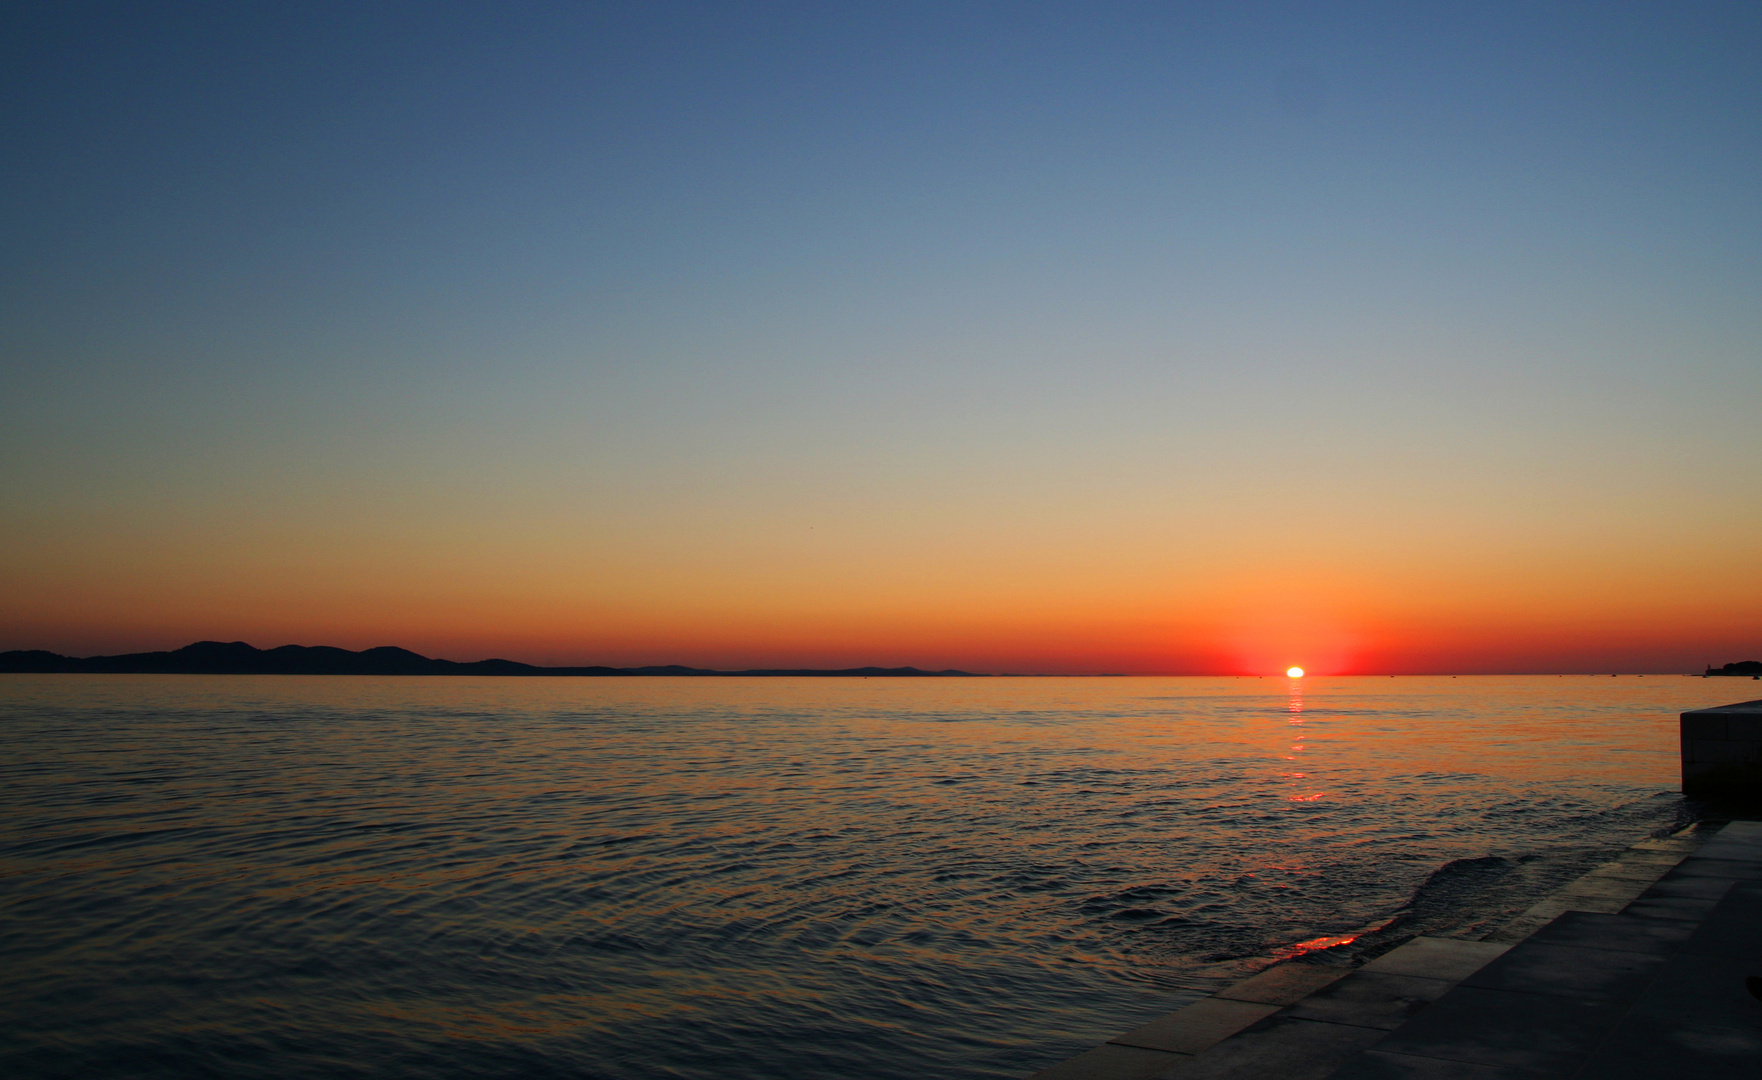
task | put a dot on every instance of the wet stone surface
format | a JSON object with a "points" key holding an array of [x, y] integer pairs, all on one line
{"points": [[1648, 988]]}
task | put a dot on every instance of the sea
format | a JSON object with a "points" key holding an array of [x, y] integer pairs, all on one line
{"points": [[727, 878]]}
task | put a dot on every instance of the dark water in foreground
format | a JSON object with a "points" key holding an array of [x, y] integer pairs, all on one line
{"points": [[621, 878]]}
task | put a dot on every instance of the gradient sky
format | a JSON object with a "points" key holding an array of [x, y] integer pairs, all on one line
{"points": [[1028, 336]]}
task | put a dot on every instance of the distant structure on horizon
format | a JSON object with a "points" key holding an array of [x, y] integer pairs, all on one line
{"points": [[1752, 668], [238, 658]]}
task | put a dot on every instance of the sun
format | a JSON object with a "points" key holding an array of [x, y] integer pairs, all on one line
{"points": [[1294, 672]]}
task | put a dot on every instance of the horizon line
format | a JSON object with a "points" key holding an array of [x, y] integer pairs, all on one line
{"points": [[525, 669]]}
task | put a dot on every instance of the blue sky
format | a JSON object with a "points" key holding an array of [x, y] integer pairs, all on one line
{"points": [[383, 300]]}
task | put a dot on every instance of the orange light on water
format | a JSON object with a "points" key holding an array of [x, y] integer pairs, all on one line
{"points": [[1314, 945], [1294, 672]]}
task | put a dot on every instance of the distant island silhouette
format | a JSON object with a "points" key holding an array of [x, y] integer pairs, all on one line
{"points": [[238, 658], [1742, 667]]}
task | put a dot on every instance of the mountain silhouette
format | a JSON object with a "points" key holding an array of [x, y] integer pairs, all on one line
{"points": [[238, 658]]}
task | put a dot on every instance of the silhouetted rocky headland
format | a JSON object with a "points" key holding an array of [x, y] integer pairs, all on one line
{"points": [[1742, 667], [238, 658]]}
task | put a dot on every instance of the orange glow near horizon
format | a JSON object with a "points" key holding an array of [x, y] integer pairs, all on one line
{"points": [[1006, 641], [1294, 672], [748, 607]]}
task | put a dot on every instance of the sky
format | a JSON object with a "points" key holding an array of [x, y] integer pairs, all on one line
{"points": [[1038, 337]]}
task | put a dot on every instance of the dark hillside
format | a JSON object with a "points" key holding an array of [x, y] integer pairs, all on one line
{"points": [[238, 658]]}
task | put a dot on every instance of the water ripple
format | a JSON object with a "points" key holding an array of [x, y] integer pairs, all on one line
{"points": [[695, 878]]}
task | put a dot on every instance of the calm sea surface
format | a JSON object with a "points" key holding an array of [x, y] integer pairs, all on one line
{"points": [[730, 878]]}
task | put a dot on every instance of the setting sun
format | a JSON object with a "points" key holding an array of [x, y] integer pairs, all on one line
{"points": [[1294, 672]]}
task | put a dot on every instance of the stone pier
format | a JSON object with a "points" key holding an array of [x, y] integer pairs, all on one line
{"points": [[1722, 753]]}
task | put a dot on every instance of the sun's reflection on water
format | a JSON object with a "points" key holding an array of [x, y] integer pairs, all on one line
{"points": [[1294, 713]]}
